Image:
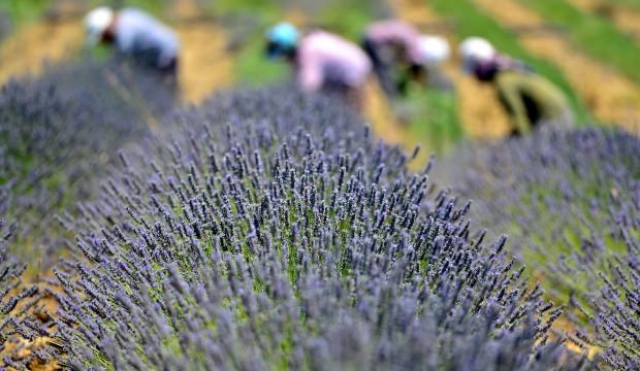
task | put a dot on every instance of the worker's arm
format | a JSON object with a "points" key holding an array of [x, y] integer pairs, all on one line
{"points": [[508, 90]]}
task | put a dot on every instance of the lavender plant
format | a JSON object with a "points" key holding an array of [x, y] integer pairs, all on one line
{"points": [[58, 132], [613, 310], [570, 200], [556, 194], [617, 315], [272, 232], [13, 294]]}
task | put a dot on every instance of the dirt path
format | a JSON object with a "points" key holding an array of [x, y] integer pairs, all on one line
{"points": [[23, 52], [380, 115], [610, 96], [625, 18], [205, 64], [478, 108]]}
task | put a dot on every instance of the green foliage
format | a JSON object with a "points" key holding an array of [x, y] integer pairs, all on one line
{"points": [[596, 35], [431, 119], [633, 4], [157, 7], [23, 10], [349, 18], [253, 69], [470, 21]]}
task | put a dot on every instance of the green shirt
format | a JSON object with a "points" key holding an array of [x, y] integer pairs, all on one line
{"points": [[529, 98]]}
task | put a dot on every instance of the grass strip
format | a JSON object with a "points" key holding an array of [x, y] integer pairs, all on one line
{"points": [[592, 33]]}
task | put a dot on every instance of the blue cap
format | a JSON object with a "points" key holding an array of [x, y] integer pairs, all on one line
{"points": [[284, 34]]}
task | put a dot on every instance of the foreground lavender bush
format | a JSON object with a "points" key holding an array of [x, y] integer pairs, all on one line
{"points": [[58, 131], [274, 234]]}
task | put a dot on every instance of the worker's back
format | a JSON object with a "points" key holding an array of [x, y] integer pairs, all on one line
{"points": [[396, 33], [140, 35], [326, 58], [530, 99]]}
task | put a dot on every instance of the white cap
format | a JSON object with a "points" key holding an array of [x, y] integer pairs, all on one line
{"points": [[474, 50], [96, 23], [433, 49]]}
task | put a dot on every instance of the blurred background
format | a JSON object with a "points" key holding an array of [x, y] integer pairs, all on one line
{"points": [[589, 48]]}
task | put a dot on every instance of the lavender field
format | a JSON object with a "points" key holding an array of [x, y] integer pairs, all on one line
{"points": [[263, 228]]}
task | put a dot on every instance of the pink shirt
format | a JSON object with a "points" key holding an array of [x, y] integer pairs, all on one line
{"points": [[323, 57], [396, 32]]}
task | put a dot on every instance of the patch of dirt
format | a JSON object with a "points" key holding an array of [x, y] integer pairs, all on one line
{"points": [[481, 114], [205, 65], [625, 18], [610, 96], [18, 348], [24, 51], [380, 115]]}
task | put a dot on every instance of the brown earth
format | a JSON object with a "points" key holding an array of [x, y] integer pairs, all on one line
{"points": [[205, 64], [24, 51], [625, 18], [610, 96], [380, 115]]}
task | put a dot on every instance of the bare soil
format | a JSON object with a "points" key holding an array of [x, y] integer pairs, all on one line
{"points": [[610, 96], [24, 51], [205, 64], [380, 116]]}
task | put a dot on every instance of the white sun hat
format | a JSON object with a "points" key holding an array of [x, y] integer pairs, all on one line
{"points": [[96, 23], [433, 49], [474, 50]]}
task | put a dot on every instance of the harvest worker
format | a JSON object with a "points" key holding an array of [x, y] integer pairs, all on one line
{"points": [[529, 99], [135, 34], [397, 48], [322, 61]]}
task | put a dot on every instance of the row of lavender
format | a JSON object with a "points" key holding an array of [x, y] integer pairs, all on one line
{"points": [[268, 230], [571, 204], [59, 134], [274, 233]]}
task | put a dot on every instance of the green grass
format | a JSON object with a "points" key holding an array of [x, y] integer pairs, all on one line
{"points": [[432, 121], [347, 18], [593, 33], [251, 68], [470, 21], [20, 11]]}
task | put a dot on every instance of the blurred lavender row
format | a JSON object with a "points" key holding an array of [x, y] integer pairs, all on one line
{"points": [[60, 131], [570, 202]]}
